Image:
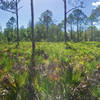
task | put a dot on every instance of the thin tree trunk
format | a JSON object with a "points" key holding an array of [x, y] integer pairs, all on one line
{"points": [[17, 23], [80, 33], [91, 31], [71, 35], [94, 34], [77, 31], [32, 27], [47, 32], [31, 90], [57, 35], [65, 20], [85, 36]]}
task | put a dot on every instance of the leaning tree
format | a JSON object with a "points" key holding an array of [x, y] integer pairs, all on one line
{"points": [[79, 18], [46, 21], [79, 4], [70, 21], [12, 7]]}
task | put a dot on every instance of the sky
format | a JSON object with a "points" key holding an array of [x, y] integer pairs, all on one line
{"points": [[56, 6]]}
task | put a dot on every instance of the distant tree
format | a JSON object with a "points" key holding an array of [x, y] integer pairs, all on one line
{"points": [[39, 32], [83, 24], [59, 32], [11, 22], [8, 34], [86, 22], [96, 12], [23, 33], [1, 34], [79, 17], [10, 29], [0, 28], [29, 36], [46, 20], [94, 17], [97, 34], [79, 4], [70, 21], [55, 32]]}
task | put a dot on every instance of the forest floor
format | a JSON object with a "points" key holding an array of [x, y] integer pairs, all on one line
{"points": [[68, 71]]}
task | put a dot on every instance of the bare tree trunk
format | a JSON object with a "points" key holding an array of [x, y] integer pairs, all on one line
{"points": [[17, 23], [57, 35], [94, 34], [80, 33], [71, 35], [77, 31], [65, 20], [31, 90], [91, 31], [85, 36], [32, 27], [47, 32]]}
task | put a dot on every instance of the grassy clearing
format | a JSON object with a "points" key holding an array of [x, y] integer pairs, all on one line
{"points": [[61, 69]]}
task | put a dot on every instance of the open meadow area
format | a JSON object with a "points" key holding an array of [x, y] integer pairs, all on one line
{"points": [[62, 70]]}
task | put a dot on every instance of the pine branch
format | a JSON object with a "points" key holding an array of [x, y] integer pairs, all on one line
{"points": [[73, 9], [9, 11], [20, 7]]}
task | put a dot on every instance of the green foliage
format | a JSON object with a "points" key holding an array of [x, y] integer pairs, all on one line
{"points": [[60, 67]]}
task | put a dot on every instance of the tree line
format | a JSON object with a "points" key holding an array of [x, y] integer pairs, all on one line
{"points": [[80, 27]]}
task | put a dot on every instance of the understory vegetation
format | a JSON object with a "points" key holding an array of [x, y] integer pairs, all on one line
{"points": [[63, 71]]}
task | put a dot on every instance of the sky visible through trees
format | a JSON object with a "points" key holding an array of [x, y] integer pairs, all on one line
{"points": [[56, 6]]}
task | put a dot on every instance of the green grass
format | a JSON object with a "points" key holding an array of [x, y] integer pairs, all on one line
{"points": [[59, 65]]}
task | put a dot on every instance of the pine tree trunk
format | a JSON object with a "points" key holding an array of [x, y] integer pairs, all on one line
{"points": [[77, 31], [31, 90], [85, 36], [47, 32], [17, 23], [91, 31], [65, 20], [32, 27], [71, 32]]}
